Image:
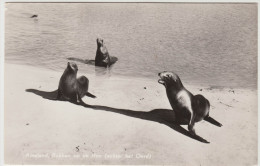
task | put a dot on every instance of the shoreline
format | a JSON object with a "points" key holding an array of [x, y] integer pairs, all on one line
{"points": [[137, 78], [127, 122]]}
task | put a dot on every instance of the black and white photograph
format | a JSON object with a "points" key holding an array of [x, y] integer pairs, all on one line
{"points": [[130, 83]]}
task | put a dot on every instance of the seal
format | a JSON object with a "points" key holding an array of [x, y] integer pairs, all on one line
{"points": [[35, 15], [71, 88], [184, 103], [102, 56]]}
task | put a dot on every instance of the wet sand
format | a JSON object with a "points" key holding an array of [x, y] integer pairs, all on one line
{"points": [[131, 124]]}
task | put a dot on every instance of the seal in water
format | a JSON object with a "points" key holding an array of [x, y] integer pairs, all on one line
{"points": [[102, 56], [195, 108], [71, 88], [35, 15]]}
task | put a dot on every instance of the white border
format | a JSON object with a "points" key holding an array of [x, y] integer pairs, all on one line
{"points": [[258, 83], [138, 1], [2, 52], [2, 20]]}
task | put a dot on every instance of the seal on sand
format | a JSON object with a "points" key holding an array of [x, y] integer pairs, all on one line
{"points": [[185, 104], [71, 88], [102, 56]]}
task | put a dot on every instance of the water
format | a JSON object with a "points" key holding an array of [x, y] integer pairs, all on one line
{"points": [[206, 44]]}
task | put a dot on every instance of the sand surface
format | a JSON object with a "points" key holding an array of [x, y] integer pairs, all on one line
{"points": [[127, 126]]}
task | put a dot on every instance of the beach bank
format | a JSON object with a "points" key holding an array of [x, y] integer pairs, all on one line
{"points": [[127, 127]]}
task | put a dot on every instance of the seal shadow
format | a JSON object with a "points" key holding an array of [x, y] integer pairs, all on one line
{"points": [[99, 71], [113, 60], [53, 96], [46, 95], [86, 61], [163, 116]]}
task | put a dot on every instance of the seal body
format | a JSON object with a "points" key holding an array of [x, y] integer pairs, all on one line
{"points": [[102, 56], [184, 103], [73, 89]]}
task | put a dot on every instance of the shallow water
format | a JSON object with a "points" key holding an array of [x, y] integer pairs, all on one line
{"points": [[206, 44]]}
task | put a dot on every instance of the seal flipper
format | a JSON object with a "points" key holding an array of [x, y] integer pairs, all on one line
{"points": [[82, 102], [90, 95], [212, 121], [58, 95], [113, 60], [74, 98]]}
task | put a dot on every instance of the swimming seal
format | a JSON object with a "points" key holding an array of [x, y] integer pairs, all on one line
{"points": [[184, 103], [71, 88], [102, 56]]}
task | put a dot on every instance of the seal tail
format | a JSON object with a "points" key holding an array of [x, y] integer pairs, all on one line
{"points": [[90, 95], [212, 121]]}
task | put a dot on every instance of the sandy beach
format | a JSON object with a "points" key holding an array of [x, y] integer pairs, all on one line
{"points": [[131, 123]]}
